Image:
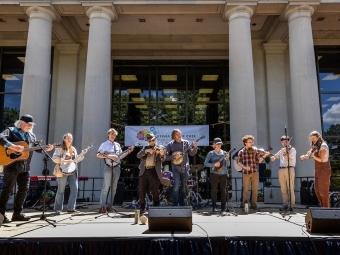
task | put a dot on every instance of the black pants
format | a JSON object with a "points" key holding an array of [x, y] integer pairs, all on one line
{"points": [[149, 178], [215, 179], [11, 177]]}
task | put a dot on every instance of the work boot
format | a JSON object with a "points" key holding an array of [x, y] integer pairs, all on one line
{"points": [[20, 217]]}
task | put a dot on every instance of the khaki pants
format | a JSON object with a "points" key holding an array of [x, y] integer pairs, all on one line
{"points": [[283, 179], [254, 179]]}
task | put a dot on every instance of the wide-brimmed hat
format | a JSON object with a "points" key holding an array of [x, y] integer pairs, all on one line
{"points": [[28, 119], [149, 137], [217, 141]]}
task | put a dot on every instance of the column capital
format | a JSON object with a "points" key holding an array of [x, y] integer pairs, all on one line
{"points": [[294, 12], [103, 10], [40, 12], [68, 49], [239, 11], [274, 48]]}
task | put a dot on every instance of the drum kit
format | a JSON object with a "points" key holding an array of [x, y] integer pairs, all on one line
{"points": [[194, 199]]}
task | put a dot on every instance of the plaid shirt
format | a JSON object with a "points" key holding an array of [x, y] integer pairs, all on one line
{"points": [[249, 158]]}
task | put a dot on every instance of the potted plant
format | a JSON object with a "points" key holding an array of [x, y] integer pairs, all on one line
{"points": [[260, 195]]}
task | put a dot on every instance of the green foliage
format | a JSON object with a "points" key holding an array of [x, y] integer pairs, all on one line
{"points": [[268, 173], [267, 183], [10, 116], [267, 159], [333, 129]]}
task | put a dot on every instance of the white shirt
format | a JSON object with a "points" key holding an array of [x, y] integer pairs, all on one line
{"points": [[109, 147], [283, 161], [324, 146]]}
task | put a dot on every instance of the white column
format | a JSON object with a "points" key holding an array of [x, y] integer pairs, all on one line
{"points": [[97, 94], [37, 74], [304, 85], [241, 75], [241, 78], [66, 89], [277, 97]]}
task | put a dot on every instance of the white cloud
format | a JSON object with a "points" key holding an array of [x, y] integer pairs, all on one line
{"points": [[325, 105], [332, 116], [330, 77], [333, 99]]}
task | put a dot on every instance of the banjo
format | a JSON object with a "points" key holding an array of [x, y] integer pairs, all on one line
{"points": [[180, 159], [111, 162], [69, 169]]}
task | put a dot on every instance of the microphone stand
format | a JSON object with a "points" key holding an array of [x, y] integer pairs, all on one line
{"points": [[42, 216], [290, 209], [229, 209]]}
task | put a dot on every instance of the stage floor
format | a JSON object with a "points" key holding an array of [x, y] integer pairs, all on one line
{"points": [[266, 224]]}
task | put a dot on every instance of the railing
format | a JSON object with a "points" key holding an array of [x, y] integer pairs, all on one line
{"points": [[92, 192]]}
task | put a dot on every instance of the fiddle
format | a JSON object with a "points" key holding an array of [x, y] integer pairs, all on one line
{"points": [[314, 149]]}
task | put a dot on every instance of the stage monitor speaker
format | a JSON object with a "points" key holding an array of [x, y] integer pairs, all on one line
{"points": [[170, 218], [323, 220]]}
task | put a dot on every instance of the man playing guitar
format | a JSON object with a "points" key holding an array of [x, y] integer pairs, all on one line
{"points": [[18, 171], [177, 149], [111, 152]]}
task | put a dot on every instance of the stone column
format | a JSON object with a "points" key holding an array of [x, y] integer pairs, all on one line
{"points": [[97, 94], [37, 74], [277, 97], [66, 90], [241, 78], [304, 85]]}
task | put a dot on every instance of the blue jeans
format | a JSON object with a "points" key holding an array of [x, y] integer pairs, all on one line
{"points": [[179, 188], [109, 175], [59, 197]]}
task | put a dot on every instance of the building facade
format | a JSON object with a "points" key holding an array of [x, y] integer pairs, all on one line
{"points": [[243, 67]]}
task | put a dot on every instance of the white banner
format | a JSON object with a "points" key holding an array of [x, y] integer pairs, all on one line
{"points": [[136, 134]]}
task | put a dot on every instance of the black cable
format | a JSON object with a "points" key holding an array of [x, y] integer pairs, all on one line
{"points": [[207, 236], [310, 239]]}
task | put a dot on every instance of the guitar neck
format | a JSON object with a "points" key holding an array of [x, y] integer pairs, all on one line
{"points": [[35, 148]]}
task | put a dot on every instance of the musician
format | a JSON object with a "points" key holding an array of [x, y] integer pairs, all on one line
{"points": [[150, 170], [64, 156], [178, 149], [286, 176], [248, 158], [320, 153], [110, 151], [17, 172], [218, 163]]}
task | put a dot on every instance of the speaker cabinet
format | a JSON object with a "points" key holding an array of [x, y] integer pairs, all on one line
{"points": [[323, 220], [119, 197], [170, 218]]}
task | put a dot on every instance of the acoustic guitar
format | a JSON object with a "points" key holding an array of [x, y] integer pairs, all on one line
{"points": [[8, 156]]}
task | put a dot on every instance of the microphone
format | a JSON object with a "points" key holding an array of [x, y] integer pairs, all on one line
{"points": [[285, 128]]}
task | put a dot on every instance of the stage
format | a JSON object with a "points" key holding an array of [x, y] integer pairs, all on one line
{"points": [[263, 232]]}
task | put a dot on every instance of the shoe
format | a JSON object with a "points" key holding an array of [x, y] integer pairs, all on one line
{"points": [[20, 217], [6, 220], [214, 210], [57, 212], [109, 209], [102, 209], [142, 211], [73, 211], [283, 208], [241, 205], [291, 209], [253, 207]]}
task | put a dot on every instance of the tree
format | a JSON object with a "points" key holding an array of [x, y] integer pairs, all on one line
{"points": [[10, 115], [333, 129]]}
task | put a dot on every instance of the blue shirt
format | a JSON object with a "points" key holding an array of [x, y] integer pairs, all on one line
{"points": [[213, 157]]}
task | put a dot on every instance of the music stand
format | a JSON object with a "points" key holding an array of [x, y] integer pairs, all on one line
{"points": [[42, 216]]}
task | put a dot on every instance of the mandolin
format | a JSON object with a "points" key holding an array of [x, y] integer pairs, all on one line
{"points": [[180, 159], [217, 169], [8, 156]]}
